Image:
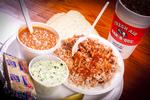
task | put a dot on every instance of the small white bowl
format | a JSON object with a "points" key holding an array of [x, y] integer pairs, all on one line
{"points": [[44, 91], [28, 52], [112, 83]]}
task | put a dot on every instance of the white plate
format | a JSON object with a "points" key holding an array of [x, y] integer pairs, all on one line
{"points": [[111, 83], [11, 47]]}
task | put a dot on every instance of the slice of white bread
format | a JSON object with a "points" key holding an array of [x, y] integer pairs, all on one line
{"points": [[73, 22], [55, 17]]}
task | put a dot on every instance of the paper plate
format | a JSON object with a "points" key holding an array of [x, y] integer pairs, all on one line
{"points": [[116, 79]]}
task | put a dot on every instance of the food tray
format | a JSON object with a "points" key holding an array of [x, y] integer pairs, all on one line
{"points": [[60, 22]]}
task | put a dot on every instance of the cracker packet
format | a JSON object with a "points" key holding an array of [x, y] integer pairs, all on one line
{"points": [[17, 81]]}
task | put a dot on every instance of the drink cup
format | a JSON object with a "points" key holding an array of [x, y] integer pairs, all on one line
{"points": [[128, 28]]}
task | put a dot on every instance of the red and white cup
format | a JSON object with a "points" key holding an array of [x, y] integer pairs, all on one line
{"points": [[127, 30]]}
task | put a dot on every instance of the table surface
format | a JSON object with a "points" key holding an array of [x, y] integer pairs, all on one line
{"points": [[137, 66]]}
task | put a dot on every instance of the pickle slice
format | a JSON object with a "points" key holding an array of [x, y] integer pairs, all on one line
{"points": [[76, 96]]}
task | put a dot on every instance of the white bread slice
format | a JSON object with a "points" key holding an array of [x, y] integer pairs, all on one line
{"points": [[70, 23], [55, 17]]}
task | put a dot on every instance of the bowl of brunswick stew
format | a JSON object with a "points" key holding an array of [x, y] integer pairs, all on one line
{"points": [[43, 40]]}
